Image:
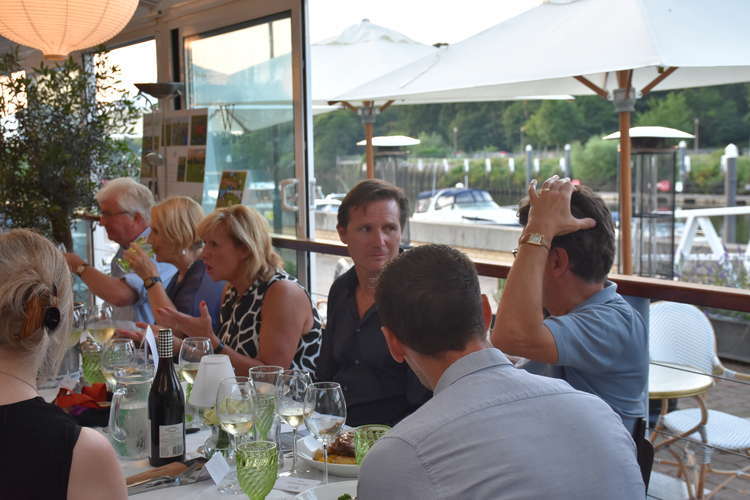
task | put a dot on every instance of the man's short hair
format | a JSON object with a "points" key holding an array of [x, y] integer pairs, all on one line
{"points": [[132, 196], [371, 190], [429, 297], [591, 252]]}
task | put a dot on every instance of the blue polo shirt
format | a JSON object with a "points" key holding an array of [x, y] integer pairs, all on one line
{"points": [[602, 348]]}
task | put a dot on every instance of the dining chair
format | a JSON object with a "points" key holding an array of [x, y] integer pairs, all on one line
{"points": [[681, 339]]}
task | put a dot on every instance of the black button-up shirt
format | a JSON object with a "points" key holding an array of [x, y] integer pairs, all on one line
{"points": [[354, 353]]}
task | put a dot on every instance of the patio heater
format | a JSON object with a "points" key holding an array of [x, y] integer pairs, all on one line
{"points": [[156, 160], [654, 175]]}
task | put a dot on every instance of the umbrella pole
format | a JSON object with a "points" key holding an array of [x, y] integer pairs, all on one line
{"points": [[624, 101], [369, 152]]}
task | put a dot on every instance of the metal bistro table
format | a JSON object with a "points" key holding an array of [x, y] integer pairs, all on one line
{"points": [[671, 381], [206, 490]]}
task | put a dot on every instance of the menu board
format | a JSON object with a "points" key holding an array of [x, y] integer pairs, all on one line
{"points": [[173, 158]]}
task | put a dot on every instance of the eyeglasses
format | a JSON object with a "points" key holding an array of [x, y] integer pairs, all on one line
{"points": [[112, 214]]}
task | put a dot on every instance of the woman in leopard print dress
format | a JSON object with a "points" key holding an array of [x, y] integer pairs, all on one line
{"points": [[266, 316]]}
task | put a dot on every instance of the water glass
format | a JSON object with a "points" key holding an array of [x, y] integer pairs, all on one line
{"points": [[365, 436], [325, 414], [257, 468], [264, 379]]}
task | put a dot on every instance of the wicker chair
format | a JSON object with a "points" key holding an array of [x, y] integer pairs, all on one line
{"points": [[681, 334]]}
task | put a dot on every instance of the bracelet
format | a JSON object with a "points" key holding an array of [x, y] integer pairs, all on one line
{"points": [[149, 282], [219, 347]]}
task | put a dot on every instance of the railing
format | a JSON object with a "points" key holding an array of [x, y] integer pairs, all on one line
{"points": [[656, 289]]}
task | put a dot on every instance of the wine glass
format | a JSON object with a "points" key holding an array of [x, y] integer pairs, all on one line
{"points": [[235, 411], [235, 407], [118, 358], [264, 380], [100, 324], [325, 414], [290, 405], [191, 352], [257, 468]]}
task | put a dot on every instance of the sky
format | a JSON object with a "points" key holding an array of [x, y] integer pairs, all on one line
{"points": [[425, 21]]}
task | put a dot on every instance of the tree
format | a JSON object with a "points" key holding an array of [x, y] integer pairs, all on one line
{"points": [[555, 123], [672, 111], [58, 141]]}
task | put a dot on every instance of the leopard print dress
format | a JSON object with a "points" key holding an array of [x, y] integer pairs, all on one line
{"points": [[240, 319]]}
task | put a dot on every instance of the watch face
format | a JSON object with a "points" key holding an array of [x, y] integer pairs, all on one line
{"points": [[535, 239]]}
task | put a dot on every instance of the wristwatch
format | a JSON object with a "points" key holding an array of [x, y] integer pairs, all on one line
{"points": [[149, 282], [80, 269], [536, 239]]}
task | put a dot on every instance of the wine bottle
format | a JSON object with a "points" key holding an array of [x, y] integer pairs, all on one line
{"points": [[166, 408]]}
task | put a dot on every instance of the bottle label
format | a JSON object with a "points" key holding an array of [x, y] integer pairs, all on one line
{"points": [[171, 440]]}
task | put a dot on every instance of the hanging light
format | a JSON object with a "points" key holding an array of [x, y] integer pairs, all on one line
{"points": [[59, 27]]}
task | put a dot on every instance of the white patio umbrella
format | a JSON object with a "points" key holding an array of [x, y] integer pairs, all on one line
{"points": [[617, 49]]}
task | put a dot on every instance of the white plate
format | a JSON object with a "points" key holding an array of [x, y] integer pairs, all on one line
{"points": [[306, 448], [329, 491]]}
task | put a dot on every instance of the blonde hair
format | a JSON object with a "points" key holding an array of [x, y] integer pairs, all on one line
{"points": [[176, 219], [33, 276], [249, 229], [132, 197]]}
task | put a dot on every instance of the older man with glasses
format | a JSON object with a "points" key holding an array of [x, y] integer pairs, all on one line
{"points": [[125, 211]]}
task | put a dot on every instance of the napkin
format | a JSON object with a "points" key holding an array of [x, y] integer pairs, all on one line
{"points": [[90, 397]]}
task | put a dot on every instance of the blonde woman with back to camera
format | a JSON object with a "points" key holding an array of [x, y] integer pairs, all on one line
{"points": [[46, 454], [266, 317]]}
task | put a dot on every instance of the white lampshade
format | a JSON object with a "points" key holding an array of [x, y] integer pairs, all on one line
{"points": [[59, 27], [213, 369]]}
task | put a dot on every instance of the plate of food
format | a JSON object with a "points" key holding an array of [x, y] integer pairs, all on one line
{"points": [[344, 490], [341, 461]]}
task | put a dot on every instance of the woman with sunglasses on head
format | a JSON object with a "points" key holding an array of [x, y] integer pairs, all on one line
{"points": [[46, 454], [266, 317]]}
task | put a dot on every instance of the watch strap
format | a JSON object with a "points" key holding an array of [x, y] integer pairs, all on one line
{"points": [[149, 282]]}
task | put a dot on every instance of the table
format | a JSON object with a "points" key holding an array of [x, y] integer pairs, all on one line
{"points": [[671, 381], [206, 490]]}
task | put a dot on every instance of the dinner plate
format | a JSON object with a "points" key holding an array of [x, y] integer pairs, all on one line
{"points": [[330, 491], [306, 448]]}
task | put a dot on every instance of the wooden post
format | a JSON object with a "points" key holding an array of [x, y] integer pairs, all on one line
{"points": [[369, 151], [624, 101]]}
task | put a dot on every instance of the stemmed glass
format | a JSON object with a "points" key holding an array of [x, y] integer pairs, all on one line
{"points": [[100, 324], [290, 405], [117, 359], [325, 414], [191, 352], [264, 380], [235, 410], [257, 468]]}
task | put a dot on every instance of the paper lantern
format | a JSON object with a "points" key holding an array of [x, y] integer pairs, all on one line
{"points": [[59, 27]]}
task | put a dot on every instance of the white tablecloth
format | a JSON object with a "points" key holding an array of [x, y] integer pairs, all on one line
{"points": [[206, 490]]}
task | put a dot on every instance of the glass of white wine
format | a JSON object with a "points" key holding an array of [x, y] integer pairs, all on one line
{"points": [[100, 324], [290, 405], [325, 414], [118, 357], [235, 411], [191, 352]]}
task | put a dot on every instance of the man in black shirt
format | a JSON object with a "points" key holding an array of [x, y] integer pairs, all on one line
{"points": [[354, 352]]}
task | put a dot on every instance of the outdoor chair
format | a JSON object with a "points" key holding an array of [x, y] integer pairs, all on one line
{"points": [[682, 343]]}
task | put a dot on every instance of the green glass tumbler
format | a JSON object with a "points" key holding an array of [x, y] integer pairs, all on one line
{"points": [[265, 412], [91, 353], [365, 436], [257, 468]]}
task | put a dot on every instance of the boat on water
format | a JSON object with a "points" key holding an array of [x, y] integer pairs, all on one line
{"points": [[462, 205]]}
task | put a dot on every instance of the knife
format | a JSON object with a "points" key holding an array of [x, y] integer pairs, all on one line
{"points": [[194, 473]]}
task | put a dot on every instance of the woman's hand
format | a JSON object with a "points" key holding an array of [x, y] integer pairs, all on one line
{"points": [[136, 336], [186, 324], [139, 260]]}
